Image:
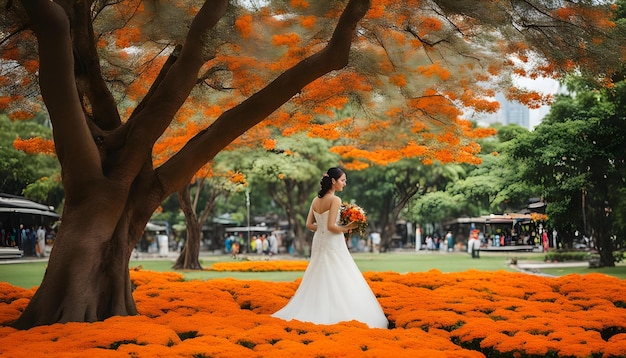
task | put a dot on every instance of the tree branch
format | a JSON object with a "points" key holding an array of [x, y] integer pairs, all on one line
{"points": [[87, 69], [171, 59], [117, 138], [75, 147], [234, 122], [160, 109]]}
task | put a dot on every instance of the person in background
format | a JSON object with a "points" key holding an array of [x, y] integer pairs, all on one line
{"points": [[26, 246], [234, 249], [228, 243], [450, 241], [375, 237], [33, 240], [41, 241], [265, 244], [259, 244], [273, 243]]}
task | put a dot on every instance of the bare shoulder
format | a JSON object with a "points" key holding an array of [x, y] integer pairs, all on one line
{"points": [[320, 205], [325, 203], [336, 201]]}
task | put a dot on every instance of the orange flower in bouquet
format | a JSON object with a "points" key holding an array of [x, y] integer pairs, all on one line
{"points": [[353, 213]]}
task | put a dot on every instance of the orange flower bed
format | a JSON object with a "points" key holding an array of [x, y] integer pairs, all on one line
{"points": [[432, 314], [261, 266]]}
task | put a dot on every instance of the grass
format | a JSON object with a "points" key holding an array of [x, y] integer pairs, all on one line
{"points": [[23, 274], [618, 271], [28, 273]]}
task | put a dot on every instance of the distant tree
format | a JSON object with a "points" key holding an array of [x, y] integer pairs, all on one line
{"points": [[290, 173], [35, 176], [436, 208], [505, 134], [208, 187], [577, 156], [495, 186]]}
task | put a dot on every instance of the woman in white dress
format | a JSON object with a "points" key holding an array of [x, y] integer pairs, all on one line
{"points": [[332, 289]]}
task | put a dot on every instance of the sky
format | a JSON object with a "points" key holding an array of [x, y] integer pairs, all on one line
{"points": [[545, 85]]}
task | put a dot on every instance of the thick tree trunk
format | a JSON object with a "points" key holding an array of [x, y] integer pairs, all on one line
{"points": [[606, 254], [604, 245], [87, 277], [189, 258], [300, 232], [389, 230], [304, 190], [406, 189]]}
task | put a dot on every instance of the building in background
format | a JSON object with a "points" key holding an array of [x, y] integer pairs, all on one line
{"points": [[509, 113], [516, 113], [512, 112]]}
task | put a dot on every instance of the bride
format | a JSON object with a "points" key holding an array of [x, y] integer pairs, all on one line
{"points": [[332, 289]]}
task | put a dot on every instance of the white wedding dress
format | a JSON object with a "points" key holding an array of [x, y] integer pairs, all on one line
{"points": [[332, 289]]}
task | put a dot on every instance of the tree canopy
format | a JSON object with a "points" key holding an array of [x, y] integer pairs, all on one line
{"points": [[34, 176], [576, 156], [413, 70]]}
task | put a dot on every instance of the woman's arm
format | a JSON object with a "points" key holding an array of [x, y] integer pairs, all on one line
{"points": [[310, 220], [332, 218]]}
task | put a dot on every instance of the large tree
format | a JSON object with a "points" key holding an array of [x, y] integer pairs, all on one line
{"points": [[111, 186], [577, 157], [416, 65], [495, 186], [206, 189]]}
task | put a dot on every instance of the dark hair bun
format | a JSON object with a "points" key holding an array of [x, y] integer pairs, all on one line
{"points": [[326, 182]]}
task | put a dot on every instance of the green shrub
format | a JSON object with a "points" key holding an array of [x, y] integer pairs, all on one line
{"points": [[562, 256]]}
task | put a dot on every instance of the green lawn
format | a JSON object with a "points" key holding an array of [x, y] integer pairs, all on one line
{"points": [[29, 274], [618, 271]]}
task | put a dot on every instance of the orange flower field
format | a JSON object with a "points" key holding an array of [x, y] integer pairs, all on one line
{"points": [[431, 314], [261, 266]]}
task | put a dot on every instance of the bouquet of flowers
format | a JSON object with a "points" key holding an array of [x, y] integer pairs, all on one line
{"points": [[353, 213]]}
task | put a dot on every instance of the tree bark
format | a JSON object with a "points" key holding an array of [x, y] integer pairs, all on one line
{"points": [[111, 186], [598, 223], [405, 192], [87, 278], [189, 257]]}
